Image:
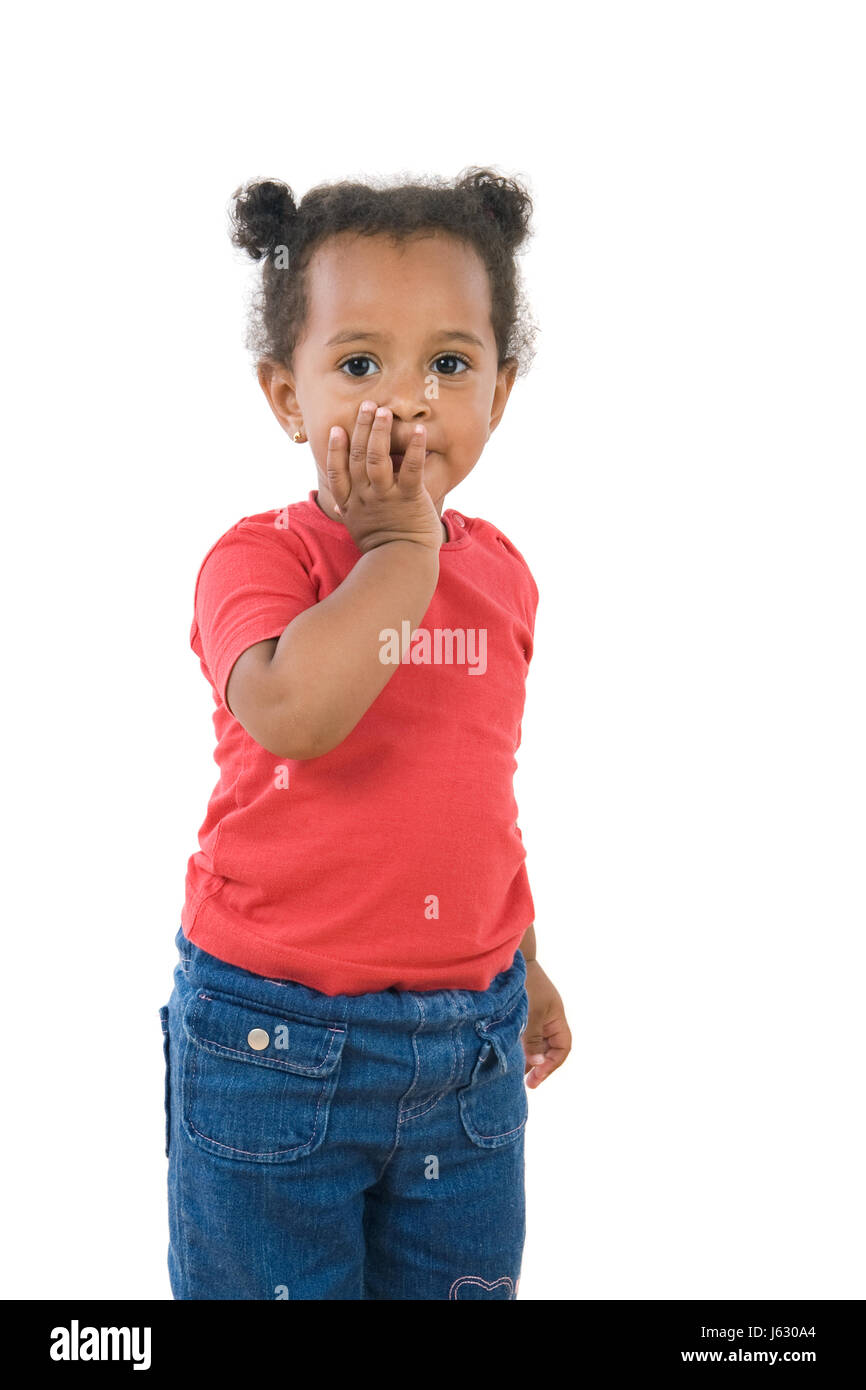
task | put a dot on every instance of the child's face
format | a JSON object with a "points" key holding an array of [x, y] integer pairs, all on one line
{"points": [[398, 302]]}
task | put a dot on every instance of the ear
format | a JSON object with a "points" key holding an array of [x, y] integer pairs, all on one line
{"points": [[278, 385], [505, 379]]}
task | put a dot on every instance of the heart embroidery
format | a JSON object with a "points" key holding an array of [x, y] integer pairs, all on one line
{"points": [[480, 1283]]}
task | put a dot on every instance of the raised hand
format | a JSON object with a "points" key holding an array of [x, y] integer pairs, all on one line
{"points": [[378, 501]]}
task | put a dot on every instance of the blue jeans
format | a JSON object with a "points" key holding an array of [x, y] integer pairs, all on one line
{"points": [[342, 1146]]}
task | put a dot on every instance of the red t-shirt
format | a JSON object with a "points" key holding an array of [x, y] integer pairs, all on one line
{"points": [[395, 859]]}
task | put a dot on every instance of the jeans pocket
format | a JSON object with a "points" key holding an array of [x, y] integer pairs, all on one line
{"points": [[257, 1084], [494, 1107], [166, 1053]]}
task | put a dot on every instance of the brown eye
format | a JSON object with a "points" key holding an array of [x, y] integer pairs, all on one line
{"points": [[350, 360], [452, 357]]}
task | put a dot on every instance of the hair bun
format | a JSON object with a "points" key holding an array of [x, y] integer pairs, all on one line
{"points": [[503, 201], [262, 217]]}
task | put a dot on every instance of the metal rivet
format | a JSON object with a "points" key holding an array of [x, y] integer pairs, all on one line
{"points": [[258, 1039]]}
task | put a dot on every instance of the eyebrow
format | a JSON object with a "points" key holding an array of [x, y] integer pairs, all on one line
{"points": [[351, 335]]}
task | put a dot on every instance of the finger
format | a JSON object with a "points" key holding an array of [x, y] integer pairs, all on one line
{"points": [[337, 467], [540, 1036], [358, 446], [380, 469], [539, 1067], [410, 478], [533, 1058]]}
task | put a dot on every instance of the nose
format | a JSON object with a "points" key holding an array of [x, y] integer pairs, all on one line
{"points": [[410, 412], [406, 398]]}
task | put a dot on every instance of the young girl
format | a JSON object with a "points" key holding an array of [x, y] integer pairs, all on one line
{"points": [[358, 998]]}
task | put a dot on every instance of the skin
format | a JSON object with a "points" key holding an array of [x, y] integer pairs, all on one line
{"points": [[404, 300]]}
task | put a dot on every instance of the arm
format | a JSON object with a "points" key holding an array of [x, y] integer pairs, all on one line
{"points": [[527, 945], [300, 695]]}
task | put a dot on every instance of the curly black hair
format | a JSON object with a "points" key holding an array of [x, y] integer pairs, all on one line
{"points": [[485, 209]]}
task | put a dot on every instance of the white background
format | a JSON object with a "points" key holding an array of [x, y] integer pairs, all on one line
{"points": [[683, 471]]}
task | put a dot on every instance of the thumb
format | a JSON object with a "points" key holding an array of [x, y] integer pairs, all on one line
{"points": [[535, 1046]]}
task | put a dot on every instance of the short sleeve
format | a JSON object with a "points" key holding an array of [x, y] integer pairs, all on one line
{"points": [[250, 586], [533, 600], [529, 588]]}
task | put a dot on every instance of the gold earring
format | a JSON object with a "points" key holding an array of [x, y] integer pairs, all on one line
{"points": [[296, 436]]}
